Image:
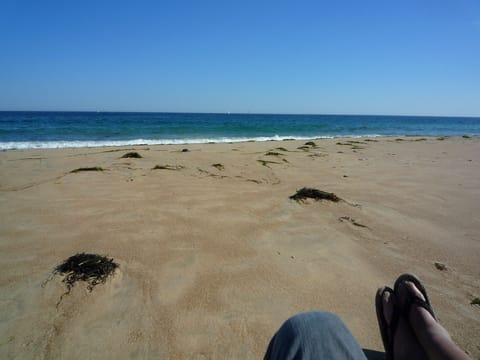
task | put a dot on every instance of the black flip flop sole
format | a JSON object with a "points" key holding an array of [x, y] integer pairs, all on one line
{"points": [[382, 322]]}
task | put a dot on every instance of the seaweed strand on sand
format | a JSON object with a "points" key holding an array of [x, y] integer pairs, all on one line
{"points": [[352, 221], [168, 167], [316, 194], [93, 168], [218, 166]]}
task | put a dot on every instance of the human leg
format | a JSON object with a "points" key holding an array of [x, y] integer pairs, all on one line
{"points": [[432, 336]]}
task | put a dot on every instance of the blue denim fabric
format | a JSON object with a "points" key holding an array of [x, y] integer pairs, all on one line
{"points": [[314, 335]]}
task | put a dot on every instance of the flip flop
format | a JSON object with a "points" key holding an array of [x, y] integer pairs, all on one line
{"points": [[387, 331], [412, 298]]}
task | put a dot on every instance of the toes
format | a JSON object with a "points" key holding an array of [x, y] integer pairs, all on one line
{"points": [[413, 289], [405, 288], [388, 301]]}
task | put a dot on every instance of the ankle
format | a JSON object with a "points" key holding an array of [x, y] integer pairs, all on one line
{"points": [[423, 323]]}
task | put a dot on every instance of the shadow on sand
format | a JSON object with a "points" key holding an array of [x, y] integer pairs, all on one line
{"points": [[374, 355]]}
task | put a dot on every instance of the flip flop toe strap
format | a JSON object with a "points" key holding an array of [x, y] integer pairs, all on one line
{"points": [[415, 300]]}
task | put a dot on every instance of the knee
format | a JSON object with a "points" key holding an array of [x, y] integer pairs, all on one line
{"points": [[314, 317]]}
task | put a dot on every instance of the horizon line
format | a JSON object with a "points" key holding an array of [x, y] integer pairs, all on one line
{"points": [[234, 113]]}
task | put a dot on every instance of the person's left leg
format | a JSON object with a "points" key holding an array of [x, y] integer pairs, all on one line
{"points": [[314, 335]]}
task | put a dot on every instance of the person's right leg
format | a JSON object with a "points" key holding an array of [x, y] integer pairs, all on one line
{"points": [[433, 337], [405, 344], [314, 335]]}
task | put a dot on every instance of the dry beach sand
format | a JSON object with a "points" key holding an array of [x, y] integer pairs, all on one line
{"points": [[213, 260]]}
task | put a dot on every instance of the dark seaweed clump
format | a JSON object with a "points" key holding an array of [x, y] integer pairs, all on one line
{"points": [[94, 168], [92, 268], [168, 167], [132, 155], [316, 194], [218, 166]]}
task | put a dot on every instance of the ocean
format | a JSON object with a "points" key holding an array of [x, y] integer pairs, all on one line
{"points": [[27, 130]]}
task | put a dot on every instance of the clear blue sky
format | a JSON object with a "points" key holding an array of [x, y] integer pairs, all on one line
{"points": [[350, 57]]}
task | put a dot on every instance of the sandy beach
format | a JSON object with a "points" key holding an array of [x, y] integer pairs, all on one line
{"points": [[213, 259]]}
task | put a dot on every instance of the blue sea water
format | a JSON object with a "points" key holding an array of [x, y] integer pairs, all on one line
{"points": [[24, 130]]}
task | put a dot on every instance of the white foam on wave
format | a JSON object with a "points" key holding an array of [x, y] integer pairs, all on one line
{"points": [[21, 145]]}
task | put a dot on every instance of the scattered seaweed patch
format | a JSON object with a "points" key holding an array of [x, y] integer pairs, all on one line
{"points": [[115, 150], [28, 158], [311, 143], [355, 142], [109, 151], [440, 266], [466, 136], [421, 139], [92, 268], [94, 168], [273, 153], [352, 143], [266, 162], [185, 150], [475, 301], [316, 194], [218, 166], [208, 173], [133, 154], [351, 220], [441, 138], [399, 139], [168, 167], [281, 149], [371, 140], [304, 148]]}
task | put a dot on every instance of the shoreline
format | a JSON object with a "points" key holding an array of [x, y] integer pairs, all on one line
{"points": [[120, 143], [213, 254]]}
